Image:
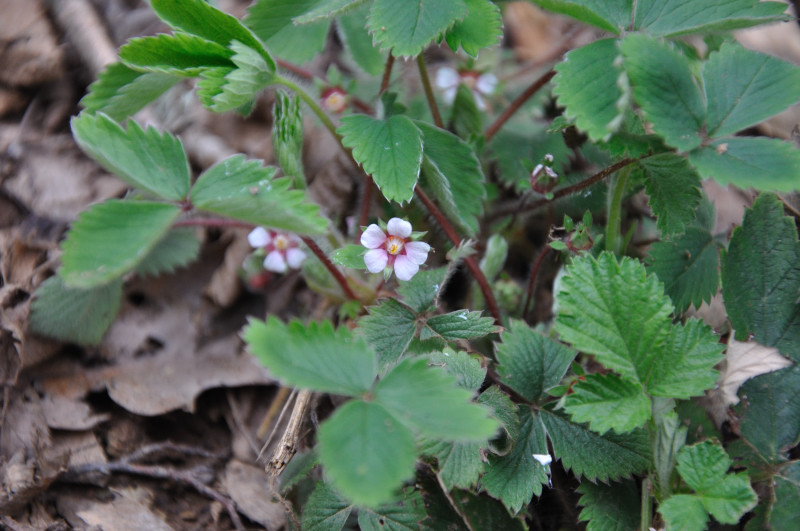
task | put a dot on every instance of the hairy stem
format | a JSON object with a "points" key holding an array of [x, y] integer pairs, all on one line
{"points": [[616, 191], [312, 104], [532, 280], [387, 73], [340, 278], [517, 103], [426, 84]]}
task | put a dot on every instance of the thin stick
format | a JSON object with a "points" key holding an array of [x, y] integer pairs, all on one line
{"points": [[426, 85], [274, 408], [287, 446], [517, 103], [340, 278], [532, 279]]}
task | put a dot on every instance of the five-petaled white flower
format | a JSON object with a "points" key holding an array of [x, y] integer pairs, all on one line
{"points": [[481, 85], [281, 247], [393, 248]]}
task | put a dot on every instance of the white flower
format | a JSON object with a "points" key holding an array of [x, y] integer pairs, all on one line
{"points": [[282, 249], [393, 248], [334, 100], [481, 85]]}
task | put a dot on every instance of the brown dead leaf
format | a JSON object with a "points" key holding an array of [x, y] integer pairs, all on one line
{"points": [[64, 413], [225, 285], [128, 511], [745, 360], [247, 486]]}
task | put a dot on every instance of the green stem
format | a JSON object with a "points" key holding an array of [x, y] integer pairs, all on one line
{"points": [[426, 84], [312, 104], [647, 505], [616, 191]]}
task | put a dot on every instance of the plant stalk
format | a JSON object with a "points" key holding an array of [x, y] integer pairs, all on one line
{"points": [[647, 504], [426, 85], [340, 278], [616, 192], [517, 103]]}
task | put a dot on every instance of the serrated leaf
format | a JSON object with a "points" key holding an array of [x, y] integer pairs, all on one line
{"points": [[366, 452], [273, 22], [744, 87], [461, 324], [684, 512], [352, 28], [151, 161], [73, 314], [178, 248], [787, 496], [408, 27], [394, 517], [670, 437], [702, 465], [761, 163], [604, 457], [668, 95], [454, 167], [688, 265], [674, 190], [744, 361], [287, 137], [243, 83], [244, 189], [110, 239], [675, 17], [325, 510], [460, 463], [388, 329], [611, 15], [351, 255], [531, 363], [312, 357], [327, 9], [389, 150], [210, 84], [179, 54], [609, 507], [761, 277], [586, 84], [427, 400], [120, 91], [464, 368], [608, 402], [515, 478], [503, 408], [420, 292], [481, 28]]}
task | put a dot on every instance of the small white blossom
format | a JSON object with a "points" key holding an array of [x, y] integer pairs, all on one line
{"points": [[481, 85], [394, 249], [282, 249]]}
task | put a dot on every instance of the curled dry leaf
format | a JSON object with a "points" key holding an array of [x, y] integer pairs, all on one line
{"points": [[745, 360]]}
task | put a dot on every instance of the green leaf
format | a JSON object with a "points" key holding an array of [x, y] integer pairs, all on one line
{"points": [[688, 265], [609, 507], [351, 255], [668, 95], [408, 27], [325, 510], [287, 137], [515, 478], [684, 512], [178, 248], [702, 465], [503, 408], [179, 54], [453, 166], [389, 328], [427, 400], [120, 91], [761, 277], [531, 363], [481, 512], [314, 357], [460, 463], [761, 163], [72, 314], [244, 189], [604, 457], [243, 83], [464, 368], [670, 437], [394, 517], [674, 190], [482, 28], [366, 452], [197, 17], [461, 324], [389, 150], [273, 22], [420, 292], [466, 120], [327, 9], [586, 83], [151, 161], [676, 17], [352, 28], [611, 15], [110, 239], [787, 496], [608, 402]]}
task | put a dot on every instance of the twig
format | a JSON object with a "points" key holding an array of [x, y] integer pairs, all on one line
{"points": [[517, 103], [340, 278], [287, 446], [788, 206], [532, 280], [426, 85], [278, 401], [168, 447], [285, 407]]}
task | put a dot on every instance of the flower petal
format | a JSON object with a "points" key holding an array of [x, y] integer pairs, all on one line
{"points": [[479, 103], [417, 252], [447, 77], [258, 237], [399, 227], [486, 83], [373, 237], [295, 257], [449, 95], [405, 268], [275, 262], [376, 260]]}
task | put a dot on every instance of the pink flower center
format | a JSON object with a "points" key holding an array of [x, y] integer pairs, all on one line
{"points": [[394, 245]]}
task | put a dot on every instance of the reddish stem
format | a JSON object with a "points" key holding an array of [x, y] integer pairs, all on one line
{"points": [[532, 279], [517, 103], [426, 85], [387, 73], [330, 267]]}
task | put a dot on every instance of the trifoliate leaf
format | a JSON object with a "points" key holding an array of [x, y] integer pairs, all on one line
{"points": [[531, 363], [389, 150], [604, 457], [674, 190], [420, 292], [675, 17], [73, 314], [761, 277], [586, 83], [608, 402], [144, 158], [610, 16], [684, 512], [351, 255], [120, 91], [325, 510], [313, 357], [408, 27], [287, 137], [760, 163], [461, 324], [404, 516], [244, 189], [273, 22], [352, 29], [612, 507], [464, 368], [367, 453], [428, 400], [178, 248], [388, 329], [515, 478], [110, 239], [677, 113], [481, 28], [179, 54], [688, 265]]}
